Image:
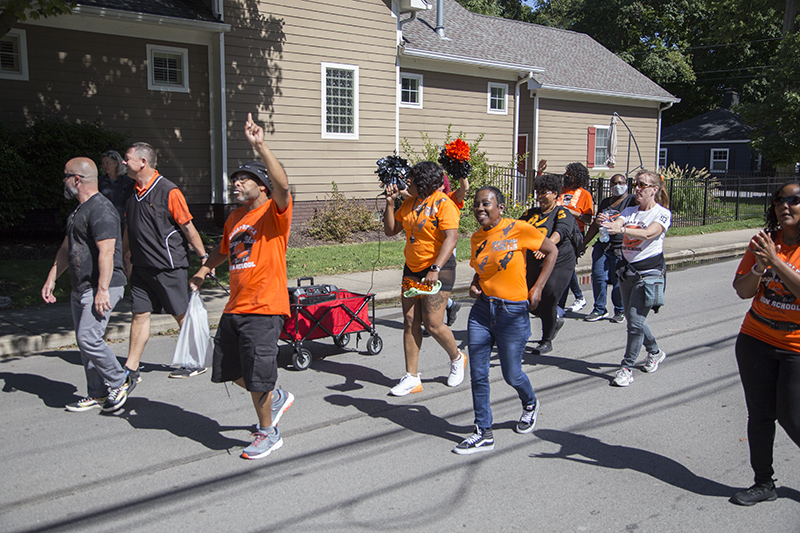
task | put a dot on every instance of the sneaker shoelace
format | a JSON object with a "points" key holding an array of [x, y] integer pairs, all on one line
{"points": [[474, 438], [455, 365], [527, 416]]}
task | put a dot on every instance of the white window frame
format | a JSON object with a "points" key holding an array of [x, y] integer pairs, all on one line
{"points": [[662, 157], [323, 103], [22, 52], [489, 109], [418, 78], [602, 162], [154, 85], [727, 159]]}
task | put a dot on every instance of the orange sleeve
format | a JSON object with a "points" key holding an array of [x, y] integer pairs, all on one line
{"points": [[178, 208], [452, 196], [747, 262], [585, 204]]}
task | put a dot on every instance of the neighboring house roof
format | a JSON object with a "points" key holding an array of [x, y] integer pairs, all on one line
{"points": [[718, 125], [571, 61], [184, 9]]}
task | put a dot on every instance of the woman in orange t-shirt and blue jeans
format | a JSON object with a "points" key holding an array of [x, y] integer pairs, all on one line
{"points": [[768, 346], [430, 221]]}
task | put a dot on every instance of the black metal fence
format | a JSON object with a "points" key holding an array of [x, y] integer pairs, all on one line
{"points": [[721, 197]]}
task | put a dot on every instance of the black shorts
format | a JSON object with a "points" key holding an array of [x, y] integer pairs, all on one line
{"points": [[159, 291], [246, 346], [447, 275]]}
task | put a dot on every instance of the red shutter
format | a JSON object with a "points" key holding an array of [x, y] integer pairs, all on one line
{"points": [[590, 146]]}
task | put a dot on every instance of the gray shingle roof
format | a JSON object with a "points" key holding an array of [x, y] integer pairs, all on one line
{"points": [[717, 125], [572, 61], [183, 9]]}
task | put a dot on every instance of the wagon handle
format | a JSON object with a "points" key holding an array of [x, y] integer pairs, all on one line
{"points": [[305, 278]]}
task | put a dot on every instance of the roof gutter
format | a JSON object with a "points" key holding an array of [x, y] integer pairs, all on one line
{"points": [[515, 144], [436, 56], [578, 90], [129, 16]]}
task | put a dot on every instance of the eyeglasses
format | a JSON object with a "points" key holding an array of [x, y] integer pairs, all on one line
{"points": [[543, 193], [642, 185], [242, 178], [68, 175], [788, 200]]}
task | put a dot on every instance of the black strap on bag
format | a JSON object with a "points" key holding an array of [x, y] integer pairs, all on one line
{"points": [[626, 270]]}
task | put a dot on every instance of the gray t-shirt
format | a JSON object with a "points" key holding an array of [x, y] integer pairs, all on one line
{"points": [[94, 220]]}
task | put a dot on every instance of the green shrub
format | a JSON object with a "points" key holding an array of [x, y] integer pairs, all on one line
{"points": [[339, 218], [689, 189], [32, 162]]}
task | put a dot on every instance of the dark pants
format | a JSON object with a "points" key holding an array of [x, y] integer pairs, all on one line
{"points": [[547, 309], [771, 381]]}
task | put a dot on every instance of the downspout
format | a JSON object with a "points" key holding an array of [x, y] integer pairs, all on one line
{"points": [[516, 128], [658, 136], [401, 23], [440, 18], [223, 109]]}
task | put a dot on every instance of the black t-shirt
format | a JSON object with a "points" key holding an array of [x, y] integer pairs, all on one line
{"points": [[615, 241], [117, 191], [94, 220], [558, 220]]}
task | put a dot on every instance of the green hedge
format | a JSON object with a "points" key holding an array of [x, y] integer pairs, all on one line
{"points": [[32, 162]]}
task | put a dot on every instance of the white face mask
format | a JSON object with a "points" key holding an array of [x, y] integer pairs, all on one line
{"points": [[619, 190]]}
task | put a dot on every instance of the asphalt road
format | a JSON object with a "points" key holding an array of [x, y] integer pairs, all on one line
{"points": [[663, 455]]}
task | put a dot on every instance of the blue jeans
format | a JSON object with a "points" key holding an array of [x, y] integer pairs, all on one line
{"points": [[633, 298], [504, 323], [604, 266]]}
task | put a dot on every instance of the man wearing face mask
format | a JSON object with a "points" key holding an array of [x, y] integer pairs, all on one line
{"points": [[606, 252], [92, 251]]}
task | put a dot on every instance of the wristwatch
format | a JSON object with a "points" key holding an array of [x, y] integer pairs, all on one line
{"points": [[204, 257], [435, 268]]}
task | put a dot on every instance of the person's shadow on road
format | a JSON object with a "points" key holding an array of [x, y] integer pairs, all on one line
{"points": [[417, 418], [591, 451], [52, 393], [576, 366], [142, 413]]}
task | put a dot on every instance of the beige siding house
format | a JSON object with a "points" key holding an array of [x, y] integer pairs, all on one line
{"points": [[337, 83]]}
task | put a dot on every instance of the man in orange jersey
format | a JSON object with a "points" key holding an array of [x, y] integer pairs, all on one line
{"points": [[254, 241], [156, 251]]}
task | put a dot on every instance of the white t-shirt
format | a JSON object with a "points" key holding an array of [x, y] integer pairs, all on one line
{"points": [[635, 250]]}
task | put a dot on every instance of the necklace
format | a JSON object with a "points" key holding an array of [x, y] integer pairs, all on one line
{"points": [[418, 210]]}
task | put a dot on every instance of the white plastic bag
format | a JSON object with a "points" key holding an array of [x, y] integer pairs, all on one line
{"points": [[194, 349]]}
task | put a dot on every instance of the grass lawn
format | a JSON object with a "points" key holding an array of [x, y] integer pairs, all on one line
{"points": [[23, 279]]}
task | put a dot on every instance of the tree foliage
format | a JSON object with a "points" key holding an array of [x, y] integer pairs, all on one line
{"points": [[13, 11]]}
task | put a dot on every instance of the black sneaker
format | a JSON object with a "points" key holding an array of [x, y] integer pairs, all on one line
{"points": [[478, 442], [184, 372], [559, 325], [542, 348], [760, 492], [452, 311], [618, 318], [528, 419], [594, 316], [117, 396]]}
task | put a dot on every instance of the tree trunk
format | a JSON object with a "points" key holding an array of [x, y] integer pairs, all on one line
{"points": [[789, 16], [7, 21]]}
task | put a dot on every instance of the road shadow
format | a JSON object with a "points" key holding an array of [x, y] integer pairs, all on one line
{"points": [[416, 418], [52, 393], [576, 366], [142, 413], [352, 374], [592, 451]]}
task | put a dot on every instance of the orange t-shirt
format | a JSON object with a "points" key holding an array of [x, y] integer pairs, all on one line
{"points": [[579, 200], [178, 208], [452, 196], [774, 301], [424, 222], [498, 257], [256, 242]]}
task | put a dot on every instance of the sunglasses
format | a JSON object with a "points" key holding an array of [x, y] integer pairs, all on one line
{"points": [[788, 200], [642, 185]]}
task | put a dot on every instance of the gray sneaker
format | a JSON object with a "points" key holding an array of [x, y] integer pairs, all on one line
{"points": [[594, 316], [618, 318], [117, 396], [279, 406], [653, 360], [528, 419], [263, 444], [480, 441]]}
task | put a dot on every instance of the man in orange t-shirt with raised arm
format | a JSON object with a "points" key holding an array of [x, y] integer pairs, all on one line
{"points": [[254, 241]]}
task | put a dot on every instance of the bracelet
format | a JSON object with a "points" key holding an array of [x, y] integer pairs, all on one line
{"points": [[204, 257], [756, 272]]}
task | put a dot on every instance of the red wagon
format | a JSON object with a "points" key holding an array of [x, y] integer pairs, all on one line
{"points": [[319, 311]]}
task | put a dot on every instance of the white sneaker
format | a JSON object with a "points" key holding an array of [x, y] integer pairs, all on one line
{"points": [[408, 383], [653, 360], [624, 377], [579, 304], [457, 370]]}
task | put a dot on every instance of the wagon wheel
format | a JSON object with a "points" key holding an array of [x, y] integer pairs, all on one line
{"points": [[341, 340], [301, 359], [374, 345]]}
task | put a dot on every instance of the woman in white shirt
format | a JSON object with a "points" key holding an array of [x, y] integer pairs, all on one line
{"points": [[641, 272]]}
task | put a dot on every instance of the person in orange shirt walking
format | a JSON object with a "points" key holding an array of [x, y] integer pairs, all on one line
{"points": [[430, 221], [254, 241], [578, 201], [500, 314], [768, 345]]}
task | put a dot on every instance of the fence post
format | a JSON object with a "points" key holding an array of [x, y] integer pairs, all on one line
{"points": [[705, 199], [738, 196]]}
